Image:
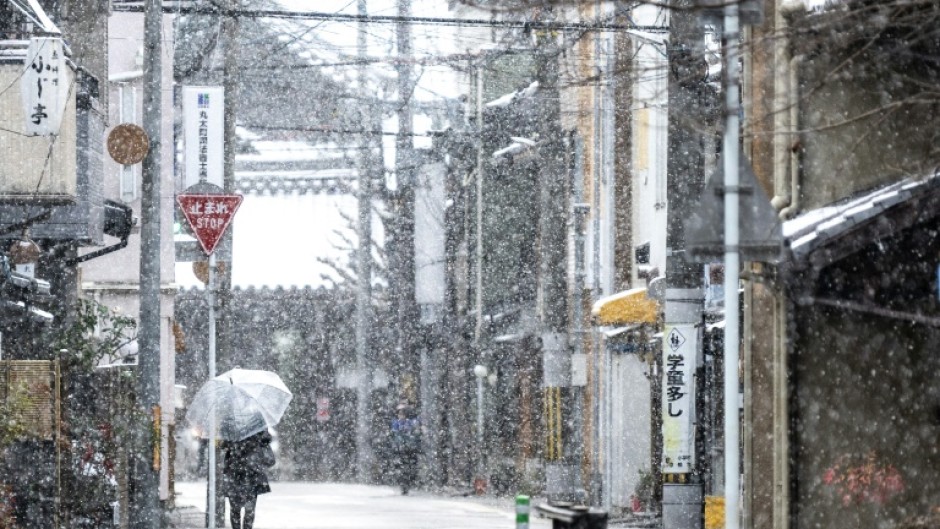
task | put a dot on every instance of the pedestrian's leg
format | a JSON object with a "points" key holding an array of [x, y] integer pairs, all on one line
{"points": [[235, 514], [250, 513]]}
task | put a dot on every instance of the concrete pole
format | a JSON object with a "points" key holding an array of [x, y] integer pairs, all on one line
{"points": [[731, 154], [563, 439], [364, 274], [405, 200], [223, 281], [480, 372], [145, 506], [684, 280], [478, 231]]}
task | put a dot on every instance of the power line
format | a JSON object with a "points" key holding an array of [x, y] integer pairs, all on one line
{"points": [[393, 19], [331, 130]]}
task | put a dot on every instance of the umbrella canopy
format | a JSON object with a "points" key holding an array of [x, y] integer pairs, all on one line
{"points": [[245, 402]]}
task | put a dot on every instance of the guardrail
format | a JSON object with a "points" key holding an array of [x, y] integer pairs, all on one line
{"points": [[569, 516]]}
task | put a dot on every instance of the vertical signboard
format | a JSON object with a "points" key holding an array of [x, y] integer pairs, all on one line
{"points": [[44, 86], [430, 259], [203, 134], [680, 343]]}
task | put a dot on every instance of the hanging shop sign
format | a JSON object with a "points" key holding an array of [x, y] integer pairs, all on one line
{"points": [[44, 86], [203, 134], [680, 343], [128, 144]]}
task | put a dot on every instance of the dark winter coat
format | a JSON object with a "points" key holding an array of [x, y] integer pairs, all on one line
{"points": [[243, 475]]}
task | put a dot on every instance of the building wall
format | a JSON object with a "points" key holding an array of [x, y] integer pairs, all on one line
{"points": [[863, 388], [630, 434], [650, 125], [85, 23], [763, 483], [865, 118]]}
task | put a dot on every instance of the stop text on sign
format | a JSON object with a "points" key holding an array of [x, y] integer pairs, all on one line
{"points": [[209, 216]]}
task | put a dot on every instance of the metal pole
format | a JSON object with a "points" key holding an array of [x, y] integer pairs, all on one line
{"points": [[364, 273], [144, 509], [732, 267], [210, 299]]}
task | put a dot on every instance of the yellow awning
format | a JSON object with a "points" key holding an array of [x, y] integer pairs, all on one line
{"points": [[622, 308]]}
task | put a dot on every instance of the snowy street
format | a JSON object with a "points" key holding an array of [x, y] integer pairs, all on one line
{"points": [[305, 505]]}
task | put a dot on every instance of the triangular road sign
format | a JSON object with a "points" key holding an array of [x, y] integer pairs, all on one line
{"points": [[760, 229], [209, 216]]}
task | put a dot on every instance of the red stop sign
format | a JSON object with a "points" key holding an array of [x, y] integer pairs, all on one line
{"points": [[209, 216]]}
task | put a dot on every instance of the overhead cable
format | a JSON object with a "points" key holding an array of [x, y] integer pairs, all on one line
{"points": [[393, 19]]}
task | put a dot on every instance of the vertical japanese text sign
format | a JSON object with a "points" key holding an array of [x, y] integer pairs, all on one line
{"points": [[680, 343], [44, 86], [203, 108]]}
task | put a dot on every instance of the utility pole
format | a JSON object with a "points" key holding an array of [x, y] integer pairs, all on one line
{"points": [[561, 401], [405, 199], [145, 506], [682, 347], [222, 287], [364, 271]]}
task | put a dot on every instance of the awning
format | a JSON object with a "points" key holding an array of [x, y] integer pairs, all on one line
{"points": [[623, 308]]}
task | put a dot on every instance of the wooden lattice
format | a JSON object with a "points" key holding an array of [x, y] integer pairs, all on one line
{"points": [[27, 387]]}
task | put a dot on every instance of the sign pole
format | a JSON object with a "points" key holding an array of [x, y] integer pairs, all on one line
{"points": [[210, 299], [732, 270], [209, 215]]}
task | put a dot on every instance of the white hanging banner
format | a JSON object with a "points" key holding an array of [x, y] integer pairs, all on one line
{"points": [[203, 133], [44, 86], [680, 344]]}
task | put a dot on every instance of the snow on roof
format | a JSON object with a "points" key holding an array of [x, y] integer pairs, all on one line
{"points": [[813, 228], [518, 145], [512, 97], [33, 11], [292, 151], [346, 173]]}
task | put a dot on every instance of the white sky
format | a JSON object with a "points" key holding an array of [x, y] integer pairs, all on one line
{"points": [[278, 239]]}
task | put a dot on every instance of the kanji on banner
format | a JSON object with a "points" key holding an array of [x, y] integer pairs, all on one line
{"points": [[209, 216], [680, 344], [44, 86]]}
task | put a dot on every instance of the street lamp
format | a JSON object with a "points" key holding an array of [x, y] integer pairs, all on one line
{"points": [[479, 483]]}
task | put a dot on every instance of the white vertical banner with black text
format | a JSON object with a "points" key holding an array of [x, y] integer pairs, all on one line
{"points": [[44, 86], [203, 134], [680, 346]]}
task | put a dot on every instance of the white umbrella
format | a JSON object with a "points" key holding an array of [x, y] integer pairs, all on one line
{"points": [[244, 401]]}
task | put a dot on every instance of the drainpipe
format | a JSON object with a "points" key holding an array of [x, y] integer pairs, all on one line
{"points": [[599, 428], [787, 114], [782, 100], [793, 153]]}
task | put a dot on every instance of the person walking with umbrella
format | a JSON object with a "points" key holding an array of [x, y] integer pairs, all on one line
{"points": [[238, 407], [244, 478]]}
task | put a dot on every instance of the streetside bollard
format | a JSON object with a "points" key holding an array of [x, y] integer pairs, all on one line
{"points": [[522, 511]]}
